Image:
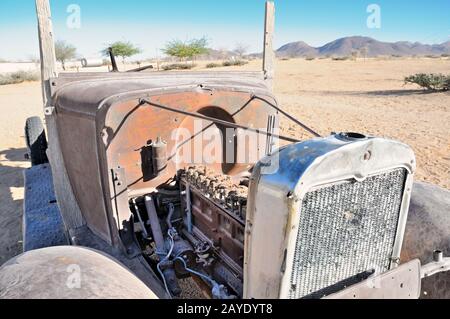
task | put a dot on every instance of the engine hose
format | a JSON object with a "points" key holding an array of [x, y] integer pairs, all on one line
{"points": [[172, 244], [211, 281], [218, 291], [171, 207]]}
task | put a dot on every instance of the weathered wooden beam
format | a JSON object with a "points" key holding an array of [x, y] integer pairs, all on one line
{"points": [[67, 203], [46, 47], [269, 54]]}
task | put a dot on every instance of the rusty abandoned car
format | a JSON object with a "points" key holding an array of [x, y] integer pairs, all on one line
{"points": [[322, 218]]}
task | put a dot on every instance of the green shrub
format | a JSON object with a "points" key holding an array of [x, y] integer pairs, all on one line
{"points": [[445, 55], [212, 65], [178, 66], [310, 58], [18, 77], [432, 82], [185, 50], [234, 63]]}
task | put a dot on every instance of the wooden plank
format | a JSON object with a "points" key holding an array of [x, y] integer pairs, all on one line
{"points": [[269, 54], [46, 47], [67, 203]]}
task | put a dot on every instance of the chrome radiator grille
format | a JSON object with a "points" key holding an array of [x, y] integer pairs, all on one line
{"points": [[346, 229]]}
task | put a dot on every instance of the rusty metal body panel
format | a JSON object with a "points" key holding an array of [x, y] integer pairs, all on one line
{"points": [[102, 128], [428, 229]]}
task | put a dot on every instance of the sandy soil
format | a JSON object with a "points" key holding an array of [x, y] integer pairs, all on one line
{"points": [[17, 103], [370, 97], [362, 96]]}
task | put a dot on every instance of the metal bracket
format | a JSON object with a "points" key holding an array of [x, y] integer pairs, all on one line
{"points": [[439, 264], [121, 206], [49, 111], [123, 213], [400, 283], [53, 85]]}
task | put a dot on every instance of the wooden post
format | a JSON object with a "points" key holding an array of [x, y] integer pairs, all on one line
{"points": [[68, 206], [269, 54], [46, 47]]}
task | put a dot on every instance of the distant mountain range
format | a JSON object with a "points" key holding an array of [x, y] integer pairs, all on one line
{"points": [[345, 47]]}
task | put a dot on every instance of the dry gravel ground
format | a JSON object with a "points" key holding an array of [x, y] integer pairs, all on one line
{"points": [[370, 97], [362, 96]]}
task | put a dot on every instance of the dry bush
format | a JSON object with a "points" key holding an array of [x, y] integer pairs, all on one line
{"points": [[431, 82], [18, 77], [212, 65], [234, 63], [341, 58], [178, 66]]}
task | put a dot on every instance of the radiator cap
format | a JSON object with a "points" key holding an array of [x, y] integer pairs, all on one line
{"points": [[351, 136]]}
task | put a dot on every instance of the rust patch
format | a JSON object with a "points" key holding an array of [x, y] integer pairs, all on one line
{"points": [[129, 128]]}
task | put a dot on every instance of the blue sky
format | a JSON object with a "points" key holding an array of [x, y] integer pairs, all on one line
{"points": [[150, 23]]}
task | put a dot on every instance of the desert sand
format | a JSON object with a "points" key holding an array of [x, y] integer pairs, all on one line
{"points": [[370, 97], [14, 67], [366, 96]]}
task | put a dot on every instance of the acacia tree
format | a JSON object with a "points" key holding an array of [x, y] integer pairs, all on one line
{"points": [[177, 49], [185, 50], [64, 52], [240, 49], [198, 47], [122, 49]]}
